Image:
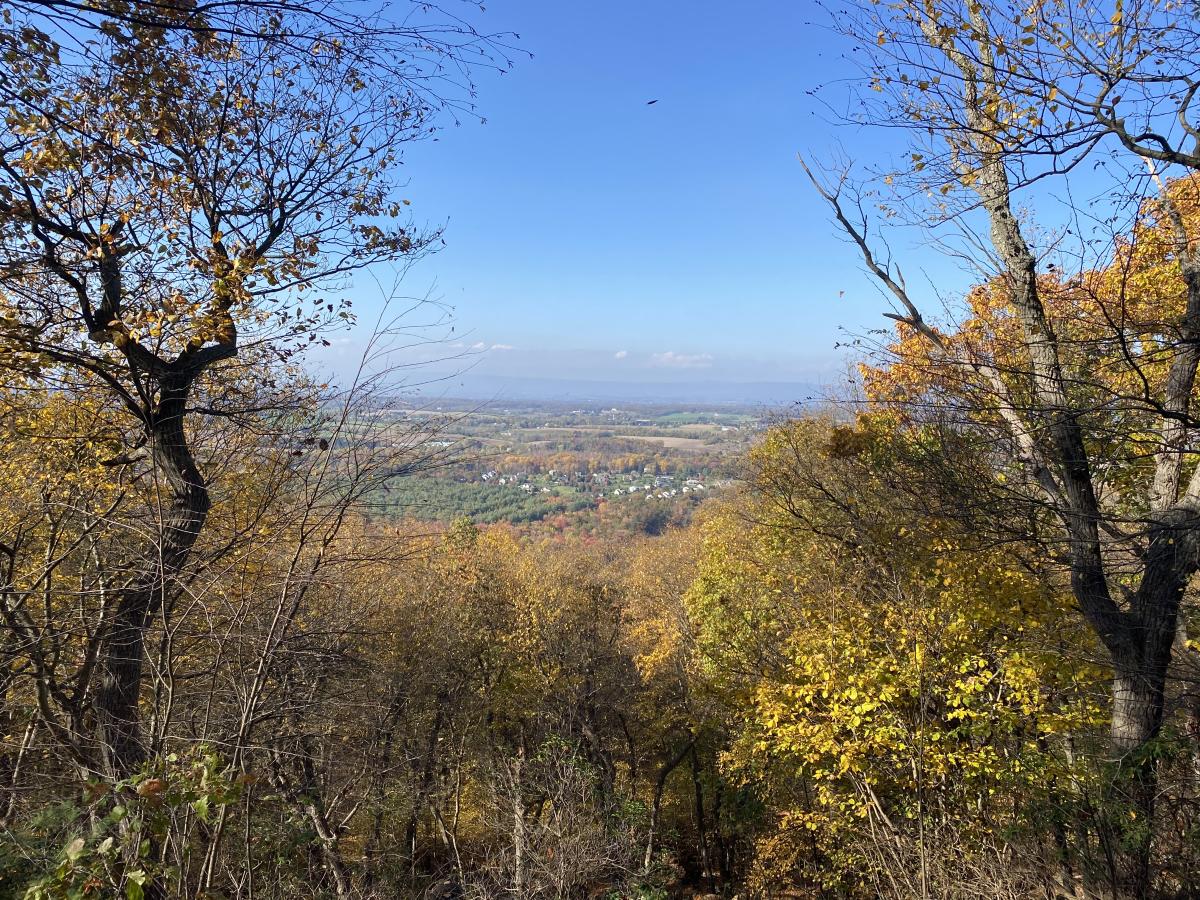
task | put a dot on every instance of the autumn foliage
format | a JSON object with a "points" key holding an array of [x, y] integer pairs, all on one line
{"points": [[935, 643]]}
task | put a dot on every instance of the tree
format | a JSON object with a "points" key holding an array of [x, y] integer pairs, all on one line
{"points": [[1082, 374], [182, 189], [898, 697]]}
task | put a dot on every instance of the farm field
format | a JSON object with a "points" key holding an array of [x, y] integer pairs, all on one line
{"points": [[588, 471]]}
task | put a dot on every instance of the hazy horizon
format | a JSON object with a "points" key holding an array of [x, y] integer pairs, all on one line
{"points": [[593, 235], [501, 388]]}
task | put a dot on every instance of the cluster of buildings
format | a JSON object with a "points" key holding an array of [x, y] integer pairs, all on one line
{"points": [[660, 486]]}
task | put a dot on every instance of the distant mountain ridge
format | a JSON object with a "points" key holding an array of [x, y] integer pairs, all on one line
{"points": [[508, 387]]}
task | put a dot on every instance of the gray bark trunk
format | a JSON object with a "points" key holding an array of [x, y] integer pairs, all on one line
{"points": [[120, 672]]}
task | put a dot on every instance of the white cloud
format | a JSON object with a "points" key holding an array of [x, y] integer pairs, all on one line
{"points": [[479, 345], [674, 360], [503, 347], [620, 354]]}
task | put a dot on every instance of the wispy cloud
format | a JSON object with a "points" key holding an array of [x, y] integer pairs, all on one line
{"points": [[620, 354], [672, 360], [480, 346]]}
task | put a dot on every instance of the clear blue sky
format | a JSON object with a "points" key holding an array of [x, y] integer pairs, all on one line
{"points": [[599, 237]]}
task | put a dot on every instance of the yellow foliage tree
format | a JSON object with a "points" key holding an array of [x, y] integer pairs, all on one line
{"points": [[901, 699]]}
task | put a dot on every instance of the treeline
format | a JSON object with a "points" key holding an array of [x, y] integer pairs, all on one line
{"points": [[443, 499]]}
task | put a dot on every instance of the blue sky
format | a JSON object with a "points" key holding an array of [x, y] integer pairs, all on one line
{"points": [[590, 235]]}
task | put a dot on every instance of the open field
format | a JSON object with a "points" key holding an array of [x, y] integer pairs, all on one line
{"points": [[596, 469], [675, 443]]}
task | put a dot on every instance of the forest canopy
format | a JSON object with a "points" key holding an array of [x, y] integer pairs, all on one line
{"points": [[932, 640]]}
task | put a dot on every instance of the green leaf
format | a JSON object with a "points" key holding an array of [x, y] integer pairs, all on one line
{"points": [[133, 885]]}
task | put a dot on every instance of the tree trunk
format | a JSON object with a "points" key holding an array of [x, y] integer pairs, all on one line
{"points": [[701, 822], [383, 765], [518, 812], [660, 785], [1137, 710], [328, 844], [425, 785], [721, 847], [1140, 665], [1136, 719], [120, 673]]}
